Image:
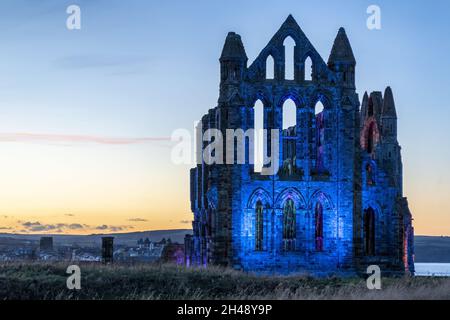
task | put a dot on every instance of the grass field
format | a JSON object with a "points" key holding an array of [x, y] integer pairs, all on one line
{"points": [[48, 281]]}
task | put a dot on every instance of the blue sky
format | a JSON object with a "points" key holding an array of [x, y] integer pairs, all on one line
{"points": [[144, 68]]}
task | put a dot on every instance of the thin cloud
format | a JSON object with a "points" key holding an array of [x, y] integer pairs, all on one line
{"points": [[36, 226], [75, 226], [137, 220], [67, 138], [105, 227], [114, 229]]}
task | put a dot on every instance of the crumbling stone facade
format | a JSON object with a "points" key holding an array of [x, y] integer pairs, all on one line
{"points": [[336, 203]]}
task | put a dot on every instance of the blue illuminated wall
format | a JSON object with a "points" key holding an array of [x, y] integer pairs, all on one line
{"points": [[342, 164]]}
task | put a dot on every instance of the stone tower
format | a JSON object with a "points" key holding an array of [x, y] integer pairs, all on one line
{"points": [[335, 204]]}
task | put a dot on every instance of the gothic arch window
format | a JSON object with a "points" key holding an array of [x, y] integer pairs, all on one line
{"points": [[258, 139], [318, 219], [370, 181], [369, 231], [289, 45], [289, 225], [289, 114], [320, 137], [308, 69], [370, 138], [289, 131], [270, 67], [259, 226]]}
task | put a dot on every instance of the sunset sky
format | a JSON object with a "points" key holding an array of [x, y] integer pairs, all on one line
{"points": [[86, 115]]}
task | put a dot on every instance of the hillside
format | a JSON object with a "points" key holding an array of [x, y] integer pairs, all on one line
{"points": [[94, 240], [432, 249]]}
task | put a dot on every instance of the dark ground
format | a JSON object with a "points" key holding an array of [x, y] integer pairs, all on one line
{"points": [[45, 281]]}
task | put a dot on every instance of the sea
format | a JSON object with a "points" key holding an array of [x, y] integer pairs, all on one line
{"points": [[432, 269]]}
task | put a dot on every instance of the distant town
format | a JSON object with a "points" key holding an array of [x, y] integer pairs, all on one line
{"points": [[56, 249]]}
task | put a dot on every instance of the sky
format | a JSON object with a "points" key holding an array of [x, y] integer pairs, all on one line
{"points": [[86, 115]]}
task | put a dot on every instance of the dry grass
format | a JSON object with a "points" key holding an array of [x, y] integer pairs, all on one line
{"points": [[48, 281]]}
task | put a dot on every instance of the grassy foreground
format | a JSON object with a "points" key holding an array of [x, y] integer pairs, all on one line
{"points": [[48, 281]]}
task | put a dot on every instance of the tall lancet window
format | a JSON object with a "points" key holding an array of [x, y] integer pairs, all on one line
{"points": [[270, 68], [369, 232], [320, 137], [289, 64], [289, 224], [259, 224], [318, 219], [308, 69], [289, 134]]}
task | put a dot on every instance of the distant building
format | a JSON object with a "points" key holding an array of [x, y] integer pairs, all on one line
{"points": [[152, 253], [107, 249]]}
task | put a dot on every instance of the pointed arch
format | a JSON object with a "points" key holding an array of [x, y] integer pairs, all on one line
{"points": [[290, 193], [270, 67], [289, 61], [259, 194], [293, 95], [323, 198], [318, 108], [323, 96]]}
